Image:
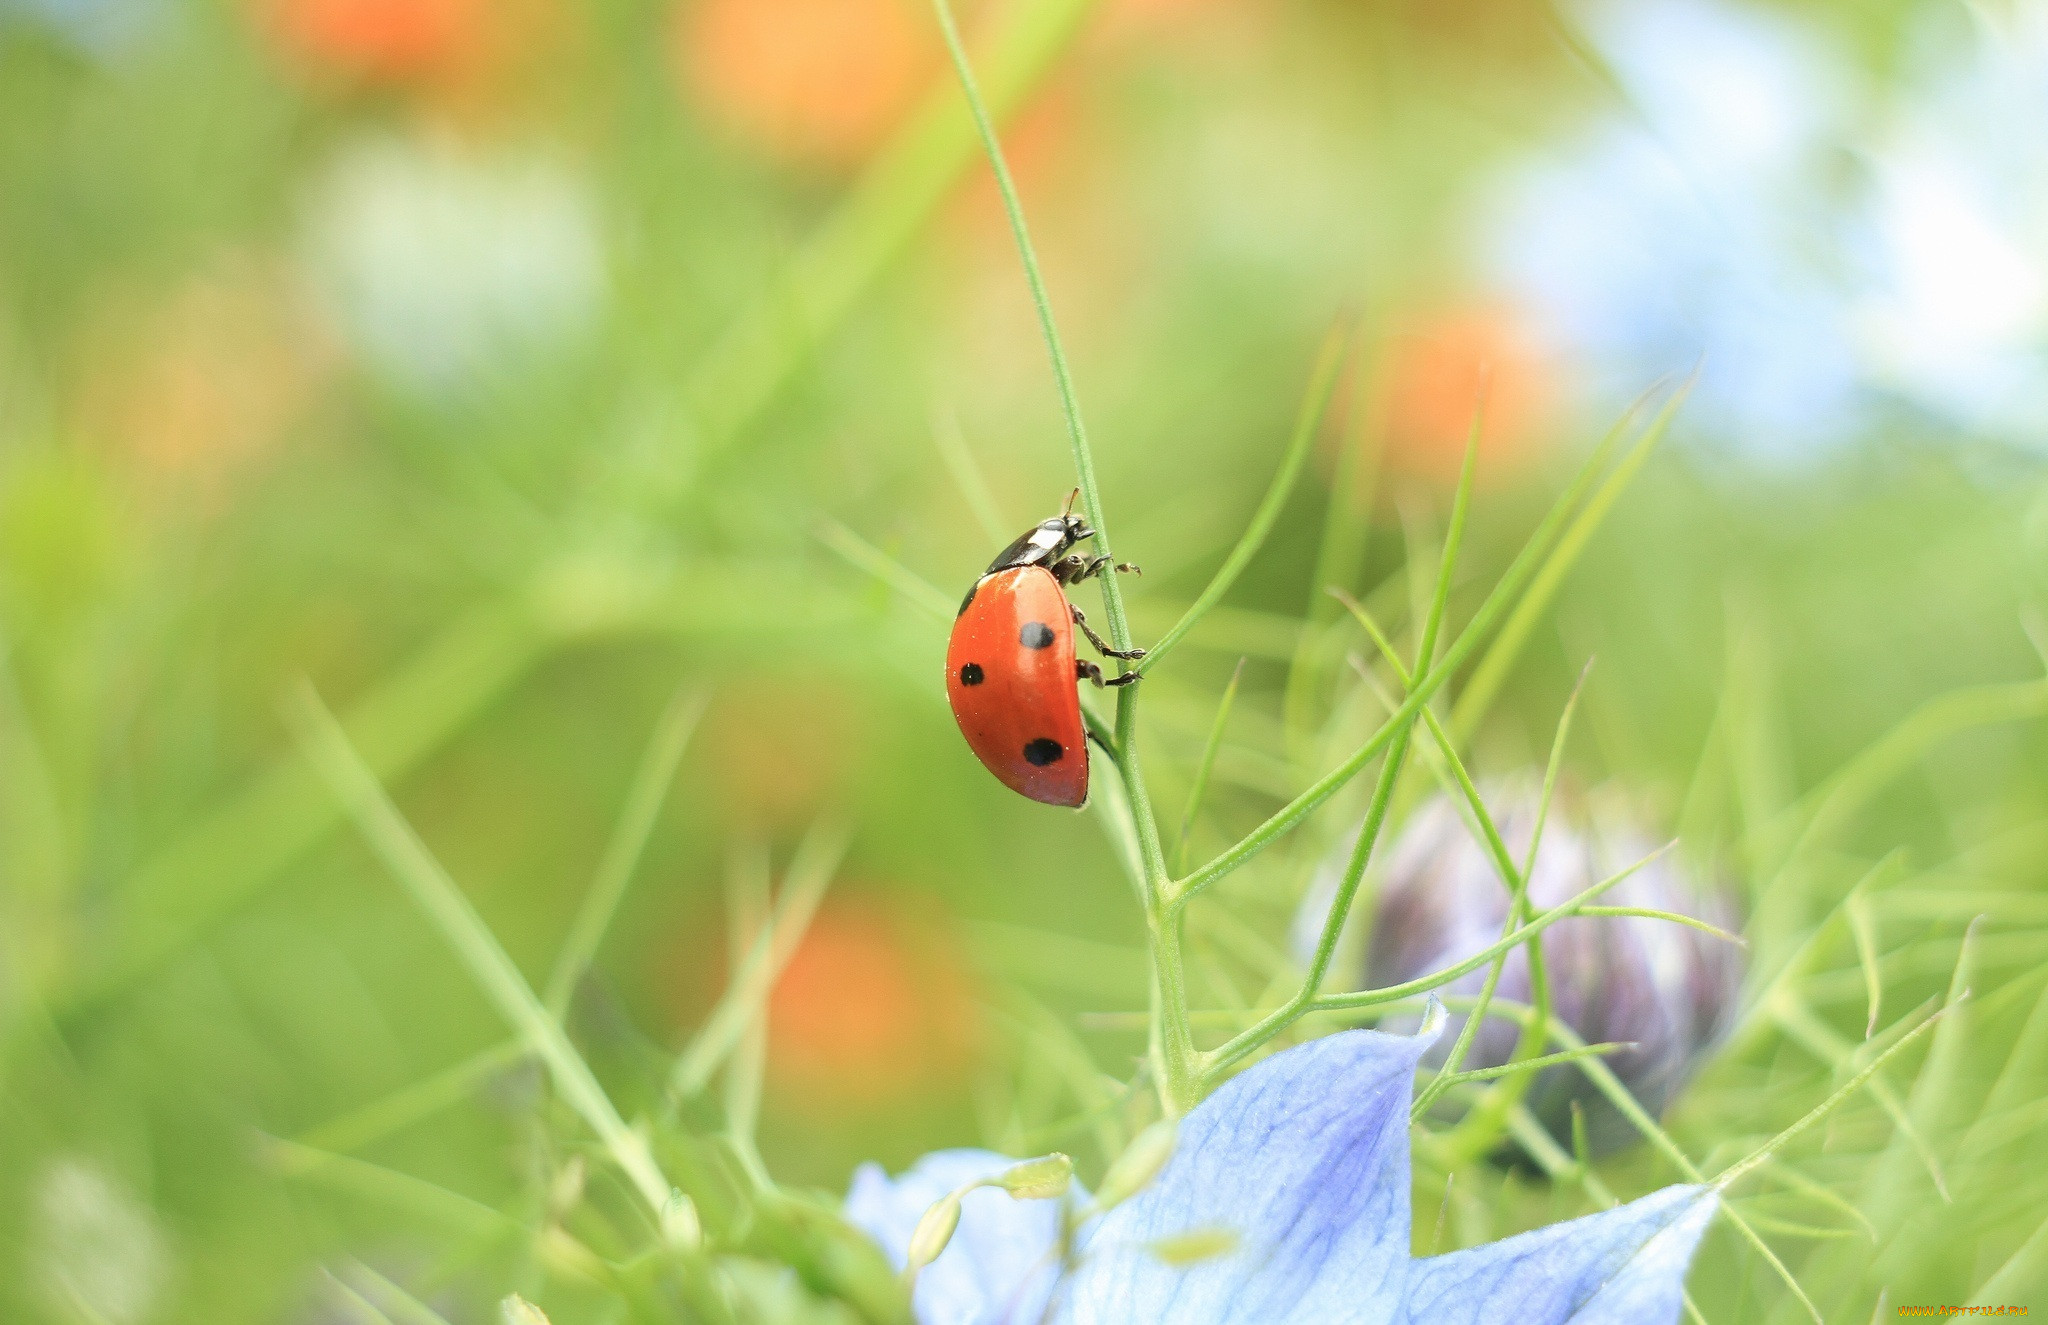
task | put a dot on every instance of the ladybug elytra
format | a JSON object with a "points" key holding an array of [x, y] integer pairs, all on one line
{"points": [[1011, 672]]}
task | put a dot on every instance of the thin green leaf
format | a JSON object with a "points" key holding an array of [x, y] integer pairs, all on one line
{"points": [[1063, 378], [1322, 381], [1675, 917], [1863, 929], [1493, 669], [402, 1307], [1743, 1168], [863, 555], [1506, 593], [395, 1112], [1235, 1049], [731, 385], [967, 476], [1530, 1065], [436, 894], [390, 1188], [1203, 769], [366, 1310], [651, 781], [810, 874]]}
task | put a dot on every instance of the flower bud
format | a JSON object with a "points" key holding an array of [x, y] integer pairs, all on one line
{"points": [[1138, 1165], [1038, 1179], [1666, 988], [516, 1310], [680, 1226], [934, 1230]]}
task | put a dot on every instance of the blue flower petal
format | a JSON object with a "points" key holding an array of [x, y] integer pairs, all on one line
{"points": [[1000, 1264], [1305, 1158], [1622, 1265]]}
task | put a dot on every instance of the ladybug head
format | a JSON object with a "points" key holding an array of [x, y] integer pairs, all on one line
{"points": [[1072, 528]]}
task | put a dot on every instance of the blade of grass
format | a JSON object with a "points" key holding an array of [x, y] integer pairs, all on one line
{"points": [[1675, 917], [650, 785], [1483, 1122], [1346, 526], [967, 476], [1390, 770], [395, 1112], [1202, 770], [402, 1307], [208, 870], [1239, 1046], [1834, 800], [1862, 929], [1526, 1065], [741, 373], [1631, 1109], [1506, 593], [864, 555], [1307, 424], [1734, 1173], [367, 1312], [1063, 377], [1515, 880], [750, 918], [810, 874], [1492, 671], [1932, 1087], [1819, 1039], [328, 749], [2027, 1266], [387, 1187]]}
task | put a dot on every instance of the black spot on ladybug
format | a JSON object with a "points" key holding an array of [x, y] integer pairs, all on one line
{"points": [[1036, 635], [971, 674], [1044, 750], [971, 590]]}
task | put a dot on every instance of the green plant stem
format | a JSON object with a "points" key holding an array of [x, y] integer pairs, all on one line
{"points": [[1244, 1043], [1176, 1069], [436, 894], [644, 799], [1013, 208]]}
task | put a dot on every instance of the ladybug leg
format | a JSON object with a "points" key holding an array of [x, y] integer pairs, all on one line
{"points": [[1088, 671], [1101, 564], [1070, 569], [1101, 645]]}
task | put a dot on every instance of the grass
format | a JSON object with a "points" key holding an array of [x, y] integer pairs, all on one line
{"points": [[475, 1088]]}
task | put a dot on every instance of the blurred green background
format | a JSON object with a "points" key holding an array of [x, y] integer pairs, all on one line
{"points": [[507, 369]]}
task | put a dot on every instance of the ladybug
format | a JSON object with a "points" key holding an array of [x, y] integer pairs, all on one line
{"points": [[1011, 672]]}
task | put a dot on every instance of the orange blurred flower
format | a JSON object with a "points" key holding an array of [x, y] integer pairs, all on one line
{"points": [[395, 41], [201, 386], [809, 82], [1433, 373], [873, 1008], [780, 743]]}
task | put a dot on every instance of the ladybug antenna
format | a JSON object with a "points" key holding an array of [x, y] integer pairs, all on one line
{"points": [[1072, 497]]}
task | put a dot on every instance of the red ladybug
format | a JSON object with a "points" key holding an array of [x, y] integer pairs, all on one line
{"points": [[1011, 670]]}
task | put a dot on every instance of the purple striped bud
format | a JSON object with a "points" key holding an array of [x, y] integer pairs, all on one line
{"points": [[1662, 986]]}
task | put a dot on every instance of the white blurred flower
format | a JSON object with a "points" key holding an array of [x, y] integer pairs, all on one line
{"points": [[452, 273], [106, 28], [1750, 208], [1958, 316], [98, 1250]]}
